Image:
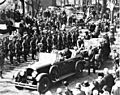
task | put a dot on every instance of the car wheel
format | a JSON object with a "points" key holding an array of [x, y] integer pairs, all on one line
{"points": [[43, 84], [17, 79], [79, 66], [54, 73]]}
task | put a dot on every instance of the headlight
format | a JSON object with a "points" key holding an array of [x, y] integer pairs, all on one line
{"points": [[22, 73], [34, 73]]}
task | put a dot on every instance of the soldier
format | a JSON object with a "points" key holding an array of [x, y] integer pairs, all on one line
{"points": [[64, 18], [33, 47], [2, 57], [54, 40], [74, 39], [5, 46], [64, 40], [11, 47], [44, 44], [49, 43], [60, 42], [18, 50], [25, 48], [69, 40]]}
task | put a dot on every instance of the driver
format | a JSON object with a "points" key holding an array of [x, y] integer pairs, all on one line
{"points": [[67, 53]]}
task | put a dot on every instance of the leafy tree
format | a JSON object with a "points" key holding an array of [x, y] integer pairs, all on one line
{"points": [[104, 7], [23, 6], [35, 4]]}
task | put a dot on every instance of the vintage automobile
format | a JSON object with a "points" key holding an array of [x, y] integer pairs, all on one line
{"points": [[50, 68]]}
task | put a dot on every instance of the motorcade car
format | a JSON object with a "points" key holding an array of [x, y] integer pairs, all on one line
{"points": [[50, 68]]}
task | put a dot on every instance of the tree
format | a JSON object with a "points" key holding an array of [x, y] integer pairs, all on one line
{"points": [[104, 7], [35, 4], [23, 6]]}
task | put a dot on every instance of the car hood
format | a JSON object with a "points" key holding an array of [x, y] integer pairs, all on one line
{"points": [[37, 65]]}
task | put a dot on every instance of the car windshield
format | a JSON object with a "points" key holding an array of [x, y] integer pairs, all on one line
{"points": [[47, 58]]}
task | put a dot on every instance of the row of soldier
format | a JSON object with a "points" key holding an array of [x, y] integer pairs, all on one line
{"points": [[26, 44]]}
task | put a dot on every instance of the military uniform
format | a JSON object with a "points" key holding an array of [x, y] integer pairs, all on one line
{"points": [[33, 48], [2, 57], [25, 49], [18, 47], [11, 47], [54, 40], [74, 40], [60, 42], [64, 40], [5, 46], [69, 40], [49, 44], [44, 44]]}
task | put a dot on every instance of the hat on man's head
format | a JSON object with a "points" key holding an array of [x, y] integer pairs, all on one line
{"points": [[101, 74], [86, 84]]}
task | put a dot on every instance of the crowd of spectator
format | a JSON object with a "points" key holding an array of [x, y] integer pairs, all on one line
{"points": [[10, 13], [107, 83]]}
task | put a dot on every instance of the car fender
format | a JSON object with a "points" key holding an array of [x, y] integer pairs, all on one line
{"points": [[40, 76]]}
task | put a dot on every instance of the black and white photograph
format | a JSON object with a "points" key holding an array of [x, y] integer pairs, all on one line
{"points": [[59, 47]]}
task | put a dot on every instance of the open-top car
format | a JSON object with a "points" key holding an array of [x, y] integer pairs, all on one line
{"points": [[50, 68]]}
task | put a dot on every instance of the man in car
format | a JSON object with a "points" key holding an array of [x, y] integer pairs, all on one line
{"points": [[67, 53]]}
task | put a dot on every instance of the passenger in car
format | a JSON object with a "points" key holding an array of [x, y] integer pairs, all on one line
{"points": [[67, 53], [75, 52]]}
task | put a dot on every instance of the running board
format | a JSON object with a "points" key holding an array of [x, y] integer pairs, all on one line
{"points": [[65, 76]]}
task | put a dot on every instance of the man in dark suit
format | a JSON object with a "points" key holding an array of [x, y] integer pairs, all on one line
{"points": [[108, 79], [67, 53]]}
